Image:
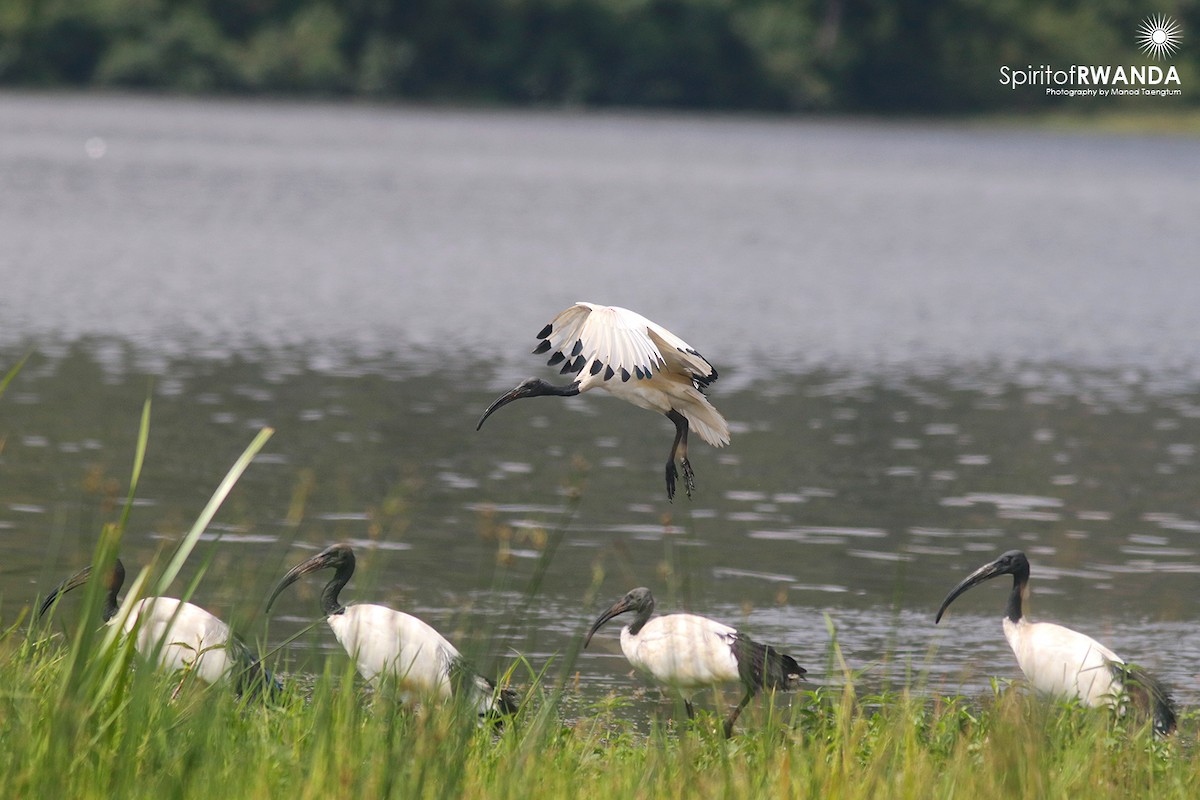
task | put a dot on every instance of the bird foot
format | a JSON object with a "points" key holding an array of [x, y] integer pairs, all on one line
{"points": [[689, 478]]}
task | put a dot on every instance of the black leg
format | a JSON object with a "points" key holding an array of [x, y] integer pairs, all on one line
{"points": [[736, 713], [679, 446], [691, 712]]}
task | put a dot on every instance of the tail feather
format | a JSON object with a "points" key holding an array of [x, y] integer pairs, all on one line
{"points": [[488, 700], [705, 420], [507, 701], [763, 667], [1149, 696], [256, 681]]}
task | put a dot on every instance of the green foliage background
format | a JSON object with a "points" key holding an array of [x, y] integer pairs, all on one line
{"points": [[926, 56]]}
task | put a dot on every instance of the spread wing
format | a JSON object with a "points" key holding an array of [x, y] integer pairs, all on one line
{"points": [[609, 341]]}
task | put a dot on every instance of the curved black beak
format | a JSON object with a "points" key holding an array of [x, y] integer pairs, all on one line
{"points": [[503, 400], [986, 572], [322, 560], [75, 581], [619, 607]]}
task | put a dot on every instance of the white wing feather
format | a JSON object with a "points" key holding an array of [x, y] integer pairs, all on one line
{"points": [[622, 342]]}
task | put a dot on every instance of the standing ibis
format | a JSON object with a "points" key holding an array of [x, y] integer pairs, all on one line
{"points": [[687, 652], [184, 636], [629, 356], [394, 645], [1065, 663]]}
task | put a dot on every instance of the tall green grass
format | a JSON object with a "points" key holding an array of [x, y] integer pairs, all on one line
{"points": [[163, 736]]}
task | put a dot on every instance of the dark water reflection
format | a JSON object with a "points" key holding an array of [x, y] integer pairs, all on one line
{"points": [[860, 500]]}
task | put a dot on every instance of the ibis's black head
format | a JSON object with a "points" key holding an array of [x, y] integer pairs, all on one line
{"points": [[638, 600], [530, 387], [1012, 563], [338, 557], [113, 584]]}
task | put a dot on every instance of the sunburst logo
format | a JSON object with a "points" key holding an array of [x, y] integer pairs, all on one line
{"points": [[1159, 36]]}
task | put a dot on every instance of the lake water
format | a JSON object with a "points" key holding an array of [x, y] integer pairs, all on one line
{"points": [[936, 342]]}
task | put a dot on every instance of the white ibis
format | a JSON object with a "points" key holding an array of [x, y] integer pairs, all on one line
{"points": [[394, 645], [629, 356], [1065, 663], [687, 652], [184, 636]]}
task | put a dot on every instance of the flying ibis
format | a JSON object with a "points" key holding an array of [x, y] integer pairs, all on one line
{"points": [[629, 356], [1065, 663], [687, 652], [183, 635], [394, 645]]}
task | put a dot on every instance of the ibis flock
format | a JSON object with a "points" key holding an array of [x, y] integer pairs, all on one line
{"points": [[630, 357]]}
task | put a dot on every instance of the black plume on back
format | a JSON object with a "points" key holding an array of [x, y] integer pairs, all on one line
{"points": [[507, 701], [256, 681], [1149, 697], [763, 667]]}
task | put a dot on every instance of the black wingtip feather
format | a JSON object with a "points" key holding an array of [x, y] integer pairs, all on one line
{"points": [[541, 348], [544, 332], [556, 358]]}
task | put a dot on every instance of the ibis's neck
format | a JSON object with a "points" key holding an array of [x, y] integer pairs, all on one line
{"points": [[545, 389], [1017, 598], [116, 581], [643, 616], [110, 604], [330, 604]]}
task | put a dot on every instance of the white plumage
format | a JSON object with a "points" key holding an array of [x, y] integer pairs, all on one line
{"points": [[392, 645], [632, 358], [683, 651], [687, 652], [191, 637], [180, 635], [385, 643], [1062, 662]]}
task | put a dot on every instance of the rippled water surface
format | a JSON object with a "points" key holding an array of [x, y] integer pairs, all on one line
{"points": [[935, 343]]}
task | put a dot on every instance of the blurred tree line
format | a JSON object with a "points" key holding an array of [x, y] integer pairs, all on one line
{"points": [[852, 55]]}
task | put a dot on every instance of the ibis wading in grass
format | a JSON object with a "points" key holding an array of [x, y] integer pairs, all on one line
{"points": [[629, 356], [1064, 663], [183, 636], [686, 652], [392, 645]]}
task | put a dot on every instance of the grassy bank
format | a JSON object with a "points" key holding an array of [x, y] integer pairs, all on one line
{"points": [[80, 721]]}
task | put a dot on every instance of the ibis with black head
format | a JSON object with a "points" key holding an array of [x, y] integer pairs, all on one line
{"points": [[688, 652], [182, 635], [630, 357], [388, 644], [1065, 663]]}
